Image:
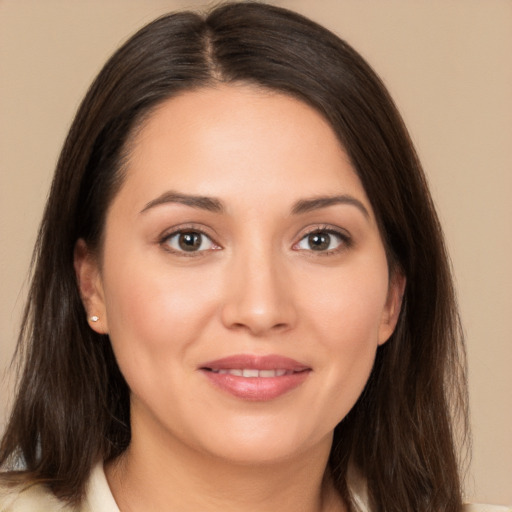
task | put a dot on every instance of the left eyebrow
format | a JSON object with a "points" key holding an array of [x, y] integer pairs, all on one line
{"points": [[316, 203]]}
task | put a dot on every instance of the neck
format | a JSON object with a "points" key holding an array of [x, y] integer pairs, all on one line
{"points": [[157, 474]]}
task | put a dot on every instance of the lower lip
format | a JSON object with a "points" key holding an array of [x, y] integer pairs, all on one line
{"points": [[257, 388]]}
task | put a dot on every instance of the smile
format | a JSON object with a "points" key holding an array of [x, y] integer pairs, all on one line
{"points": [[252, 373], [255, 378]]}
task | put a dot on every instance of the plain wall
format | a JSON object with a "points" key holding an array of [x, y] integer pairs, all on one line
{"points": [[448, 65]]}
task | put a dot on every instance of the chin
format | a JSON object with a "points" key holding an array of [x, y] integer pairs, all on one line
{"points": [[255, 442]]}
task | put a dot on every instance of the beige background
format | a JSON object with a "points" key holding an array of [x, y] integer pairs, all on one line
{"points": [[448, 65]]}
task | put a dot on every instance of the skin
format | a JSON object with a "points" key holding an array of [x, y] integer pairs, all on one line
{"points": [[256, 286]]}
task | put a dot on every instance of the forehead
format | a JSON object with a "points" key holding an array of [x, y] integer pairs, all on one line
{"points": [[235, 140]]}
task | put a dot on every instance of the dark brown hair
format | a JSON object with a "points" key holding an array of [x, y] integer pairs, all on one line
{"points": [[72, 404]]}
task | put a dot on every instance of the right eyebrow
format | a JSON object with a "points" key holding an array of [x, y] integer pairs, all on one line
{"points": [[210, 204]]}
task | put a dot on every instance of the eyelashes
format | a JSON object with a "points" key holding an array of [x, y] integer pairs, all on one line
{"points": [[324, 241], [190, 242], [194, 241]]}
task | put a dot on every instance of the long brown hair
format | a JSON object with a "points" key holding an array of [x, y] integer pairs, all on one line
{"points": [[73, 406]]}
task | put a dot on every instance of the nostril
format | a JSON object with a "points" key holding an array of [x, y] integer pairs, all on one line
{"points": [[258, 309], [259, 327]]}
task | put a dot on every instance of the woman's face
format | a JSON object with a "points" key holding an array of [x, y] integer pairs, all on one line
{"points": [[243, 280]]}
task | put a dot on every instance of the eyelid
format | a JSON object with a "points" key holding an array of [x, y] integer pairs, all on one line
{"points": [[343, 234], [186, 228]]}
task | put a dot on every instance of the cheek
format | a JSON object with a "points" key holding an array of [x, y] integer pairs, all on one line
{"points": [[350, 304], [351, 327], [347, 314], [153, 312]]}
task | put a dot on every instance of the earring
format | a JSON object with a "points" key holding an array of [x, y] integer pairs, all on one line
{"points": [[94, 318]]}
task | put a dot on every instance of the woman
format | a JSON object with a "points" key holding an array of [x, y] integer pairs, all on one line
{"points": [[241, 296]]}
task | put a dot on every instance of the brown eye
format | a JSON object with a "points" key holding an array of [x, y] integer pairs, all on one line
{"points": [[189, 241], [323, 241], [319, 241]]}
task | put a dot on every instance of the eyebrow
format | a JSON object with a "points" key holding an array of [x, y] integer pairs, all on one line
{"points": [[200, 202], [214, 205], [316, 203]]}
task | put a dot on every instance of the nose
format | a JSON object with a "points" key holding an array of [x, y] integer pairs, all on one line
{"points": [[259, 295]]}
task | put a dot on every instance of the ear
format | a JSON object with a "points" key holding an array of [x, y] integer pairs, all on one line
{"points": [[393, 306], [90, 286]]}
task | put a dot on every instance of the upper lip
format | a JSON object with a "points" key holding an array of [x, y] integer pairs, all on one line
{"points": [[255, 362]]}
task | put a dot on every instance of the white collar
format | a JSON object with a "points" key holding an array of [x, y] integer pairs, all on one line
{"points": [[99, 496]]}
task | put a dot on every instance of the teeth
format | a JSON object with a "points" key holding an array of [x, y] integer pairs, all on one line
{"points": [[253, 373]]}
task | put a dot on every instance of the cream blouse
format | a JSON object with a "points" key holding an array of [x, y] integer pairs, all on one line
{"points": [[99, 499]]}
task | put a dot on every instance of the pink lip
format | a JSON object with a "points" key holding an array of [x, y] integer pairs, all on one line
{"points": [[256, 388]]}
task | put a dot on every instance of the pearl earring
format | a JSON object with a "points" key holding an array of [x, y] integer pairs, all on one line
{"points": [[94, 318]]}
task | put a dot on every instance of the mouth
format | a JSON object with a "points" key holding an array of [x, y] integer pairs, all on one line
{"points": [[256, 378], [251, 373]]}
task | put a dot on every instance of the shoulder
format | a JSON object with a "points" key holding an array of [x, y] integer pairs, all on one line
{"points": [[35, 498], [358, 487], [38, 498], [485, 508]]}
